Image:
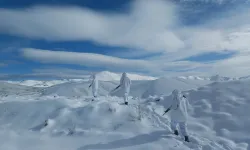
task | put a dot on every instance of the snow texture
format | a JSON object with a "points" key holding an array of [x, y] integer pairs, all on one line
{"points": [[64, 116]]}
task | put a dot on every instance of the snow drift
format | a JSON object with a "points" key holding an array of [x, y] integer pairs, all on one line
{"points": [[218, 118]]}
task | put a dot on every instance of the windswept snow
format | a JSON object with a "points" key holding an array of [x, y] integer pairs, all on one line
{"points": [[218, 116], [110, 76]]}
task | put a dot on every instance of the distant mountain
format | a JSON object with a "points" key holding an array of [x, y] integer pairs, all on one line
{"points": [[38, 83], [102, 76], [111, 76], [215, 78], [220, 78]]}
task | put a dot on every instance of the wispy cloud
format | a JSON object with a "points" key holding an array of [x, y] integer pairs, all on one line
{"points": [[60, 72], [238, 65], [149, 25], [153, 67], [235, 66], [87, 59], [146, 26], [3, 64]]}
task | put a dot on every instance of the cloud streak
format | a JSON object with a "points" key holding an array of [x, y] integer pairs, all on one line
{"points": [[87, 59], [153, 67], [236, 66], [146, 26]]}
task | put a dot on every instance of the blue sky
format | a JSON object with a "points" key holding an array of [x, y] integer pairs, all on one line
{"points": [[157, 38]]}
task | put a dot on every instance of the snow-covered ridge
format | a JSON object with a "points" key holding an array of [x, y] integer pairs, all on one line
{"points": [[111, 76], [216, 78], [218, 118], [37, 83], [139, 88], [102, 76]]}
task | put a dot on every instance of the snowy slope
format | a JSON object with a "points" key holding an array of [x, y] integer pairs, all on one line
{"points": [[220, 111], [140, 88], [167, 85], [76, 89], [8, 89], [103, 124], [219, 120]]}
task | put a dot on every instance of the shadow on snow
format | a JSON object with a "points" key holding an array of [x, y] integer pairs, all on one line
{"points": [[137, 140]]}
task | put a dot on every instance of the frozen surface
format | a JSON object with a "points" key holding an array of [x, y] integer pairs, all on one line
{"points": [[218, 117]]}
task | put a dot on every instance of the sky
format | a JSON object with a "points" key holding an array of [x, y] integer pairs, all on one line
{"points": [[62, 38]]}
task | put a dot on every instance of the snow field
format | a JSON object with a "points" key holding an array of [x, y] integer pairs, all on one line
{"points": [[218, 117]]}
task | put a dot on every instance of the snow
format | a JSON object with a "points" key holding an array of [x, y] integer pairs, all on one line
{"points": [[110, 76], [218, 116], [102, 76], [216, 78], [37, 83], [142, 88]]}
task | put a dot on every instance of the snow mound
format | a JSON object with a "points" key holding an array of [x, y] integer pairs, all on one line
{"points": [[110, 76], [163, 86], [219, 112], [61, 116], [102, 120]]}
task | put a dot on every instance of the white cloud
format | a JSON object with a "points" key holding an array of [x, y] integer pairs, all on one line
{"points": [[103, 62], [146, 26], [87, 59], [57, 72], [235, 66], [238, 65], [151, 25]]}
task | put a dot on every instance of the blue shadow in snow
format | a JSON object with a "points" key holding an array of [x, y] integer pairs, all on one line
{"points": [[137, 140]]}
